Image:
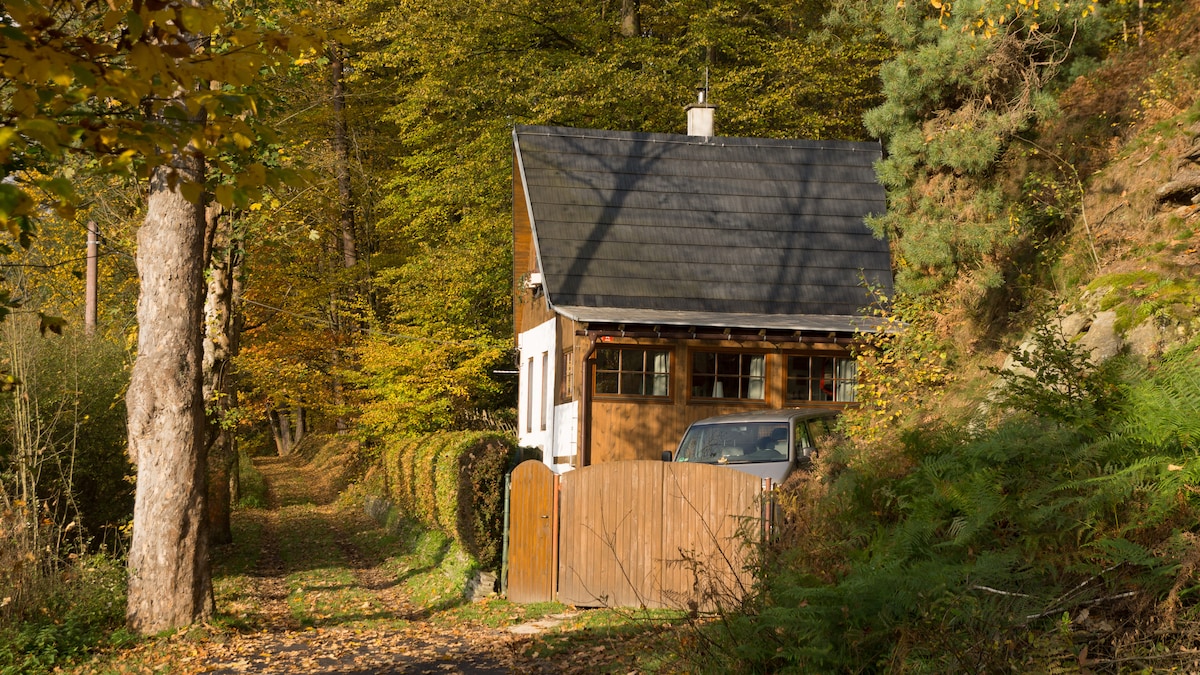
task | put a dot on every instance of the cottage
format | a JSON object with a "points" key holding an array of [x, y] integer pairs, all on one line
{"points": [[661, 278]]}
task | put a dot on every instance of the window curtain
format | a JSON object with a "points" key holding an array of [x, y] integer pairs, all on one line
{"points": [[754, 387], [847, 378], [661, 370]]}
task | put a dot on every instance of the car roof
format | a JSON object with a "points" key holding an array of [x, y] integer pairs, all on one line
{"points": [[783, 415]]}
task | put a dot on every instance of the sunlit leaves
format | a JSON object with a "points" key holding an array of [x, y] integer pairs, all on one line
{"points": [[127, 81]]}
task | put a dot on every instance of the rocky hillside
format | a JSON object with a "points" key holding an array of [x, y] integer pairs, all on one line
{"points": [[1130, 131]]}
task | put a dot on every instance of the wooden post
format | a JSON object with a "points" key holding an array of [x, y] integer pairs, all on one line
{"points": [[92, 279]]}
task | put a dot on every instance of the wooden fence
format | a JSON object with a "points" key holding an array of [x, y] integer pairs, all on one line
{"points": [[636, 534]]}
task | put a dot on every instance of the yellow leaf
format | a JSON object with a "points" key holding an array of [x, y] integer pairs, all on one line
{"points": [[224, 195], [255, 175], [191, 191], [242, 141], [112, 18], [1174, 467]]}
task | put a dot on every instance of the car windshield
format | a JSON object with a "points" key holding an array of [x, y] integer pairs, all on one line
{"points": [[735, 443]]}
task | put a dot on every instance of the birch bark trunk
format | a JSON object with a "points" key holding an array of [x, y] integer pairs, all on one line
{"points": [[220, 346]]}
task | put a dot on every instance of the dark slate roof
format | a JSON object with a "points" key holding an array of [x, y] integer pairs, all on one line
{"points": [[663, 224]]}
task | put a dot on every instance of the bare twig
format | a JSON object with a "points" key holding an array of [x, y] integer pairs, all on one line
{"points": [[997, 591], [1056, 610]]}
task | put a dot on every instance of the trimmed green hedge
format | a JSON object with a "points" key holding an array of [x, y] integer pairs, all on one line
{"points": [[454, 482]]}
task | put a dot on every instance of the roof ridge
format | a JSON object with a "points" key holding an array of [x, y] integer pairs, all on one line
{"points": [[710, 141]]}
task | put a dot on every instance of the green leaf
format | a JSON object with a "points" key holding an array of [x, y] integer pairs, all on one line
{"points": [[135, 23]]}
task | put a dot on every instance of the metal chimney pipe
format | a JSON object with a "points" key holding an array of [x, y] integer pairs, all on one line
{"points": [[700, 116]]}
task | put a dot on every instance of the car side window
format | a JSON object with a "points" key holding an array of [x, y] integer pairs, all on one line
{"points": [[803, 437], [820, 427]]}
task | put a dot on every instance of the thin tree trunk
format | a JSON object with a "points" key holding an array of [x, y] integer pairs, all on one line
{"points": [[220, 341], [170, 583], [341, 151], [237, 323], [281, 430], [92, 284], [299, 426], [631, 18]]}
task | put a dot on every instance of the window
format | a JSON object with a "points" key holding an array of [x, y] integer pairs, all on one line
{"points": [[633, 372], [728, 375], [529, 396], [821, 378], [568, 375], [545, 386]]}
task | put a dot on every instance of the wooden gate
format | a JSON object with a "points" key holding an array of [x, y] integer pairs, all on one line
{"points": [[532, 529], [656, 534]]}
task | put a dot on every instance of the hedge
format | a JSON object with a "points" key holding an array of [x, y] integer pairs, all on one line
{"points": [[454, 482]]}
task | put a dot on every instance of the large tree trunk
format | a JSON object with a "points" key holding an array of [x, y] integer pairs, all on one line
{"points": [[170, 584], [220, 346]]}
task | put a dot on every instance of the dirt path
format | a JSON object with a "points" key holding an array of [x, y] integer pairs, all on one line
{"points": [[312, 585], [314, 599]]}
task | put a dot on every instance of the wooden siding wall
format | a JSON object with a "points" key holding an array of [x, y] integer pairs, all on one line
{"points": [[654, 534], [630, 428], [529, 310]]}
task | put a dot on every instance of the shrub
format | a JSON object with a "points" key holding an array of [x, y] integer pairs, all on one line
{"points": [[453, 482], [962, 547], [78, 610], [67, 418]]}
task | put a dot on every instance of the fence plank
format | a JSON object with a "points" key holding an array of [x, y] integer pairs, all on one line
{"points": [[654, 534], [712, 512], [611, 535]]}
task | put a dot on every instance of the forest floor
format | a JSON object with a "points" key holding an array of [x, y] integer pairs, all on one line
{"points": [[313, 585]]}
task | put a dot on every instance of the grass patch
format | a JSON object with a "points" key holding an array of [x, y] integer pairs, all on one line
{"points": [[253, 487], [323, 589], [1138, 296], [497, 612], [433, 569], [617, 641], [233, 566]]}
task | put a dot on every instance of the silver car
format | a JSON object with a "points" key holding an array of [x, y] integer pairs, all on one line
{"points": [[768, 444]]}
